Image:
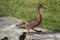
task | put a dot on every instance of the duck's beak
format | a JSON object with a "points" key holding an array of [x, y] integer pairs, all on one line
{"points": [[44, 7]]}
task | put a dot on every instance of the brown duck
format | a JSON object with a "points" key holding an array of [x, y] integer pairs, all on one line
{"points": [[32, 23]]}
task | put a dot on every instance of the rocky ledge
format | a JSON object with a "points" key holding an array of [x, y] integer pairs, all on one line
{"points": [[8, 29]]}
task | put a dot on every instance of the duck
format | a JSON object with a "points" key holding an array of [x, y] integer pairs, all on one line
{"points": [[34, 22]]}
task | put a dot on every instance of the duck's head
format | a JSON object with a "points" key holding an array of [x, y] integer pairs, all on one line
{"points": [[40, 6]]}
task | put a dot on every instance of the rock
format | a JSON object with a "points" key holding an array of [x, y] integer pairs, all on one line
{"points": [[8, 29], [8, 21]]}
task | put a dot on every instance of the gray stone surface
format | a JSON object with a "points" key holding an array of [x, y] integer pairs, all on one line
{"points": [[53, 36], [7, 21], [8, 29]]}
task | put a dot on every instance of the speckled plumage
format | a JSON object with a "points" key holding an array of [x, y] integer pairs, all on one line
{"points": [[32, 23]]}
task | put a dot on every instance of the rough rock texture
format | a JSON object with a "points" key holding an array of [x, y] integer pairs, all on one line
{"points": [[44, 36], [8, 29]]}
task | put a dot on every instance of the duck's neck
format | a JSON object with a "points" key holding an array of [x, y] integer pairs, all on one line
{"points": [[38, 13]]}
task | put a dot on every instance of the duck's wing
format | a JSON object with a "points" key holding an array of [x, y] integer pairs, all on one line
{"points": [[30, 20]]}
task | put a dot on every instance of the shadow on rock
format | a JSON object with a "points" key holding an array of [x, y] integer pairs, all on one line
{"points": [[46, 32]]}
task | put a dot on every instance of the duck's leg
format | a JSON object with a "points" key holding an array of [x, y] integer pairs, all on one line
{"points": [[36, 30], [28, 31]]}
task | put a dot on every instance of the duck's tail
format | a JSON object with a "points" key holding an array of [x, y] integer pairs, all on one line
{"points": [[20, 25]]}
